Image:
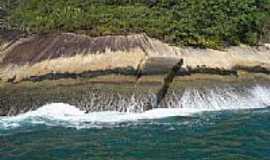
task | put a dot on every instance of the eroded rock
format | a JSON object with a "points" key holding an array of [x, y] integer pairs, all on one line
{"points": [[68, 55]]}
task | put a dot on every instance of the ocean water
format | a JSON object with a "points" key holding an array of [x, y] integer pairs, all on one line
{"points": [[218, 126]]}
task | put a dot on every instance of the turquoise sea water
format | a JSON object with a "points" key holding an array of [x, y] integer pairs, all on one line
{"points": [[239, 134], [220, 124]]}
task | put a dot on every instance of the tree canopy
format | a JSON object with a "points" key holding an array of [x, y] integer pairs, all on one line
{"points": [[205, 23]]}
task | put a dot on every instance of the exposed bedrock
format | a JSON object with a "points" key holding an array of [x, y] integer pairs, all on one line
{"points": [[17, 98], [68, 55]]}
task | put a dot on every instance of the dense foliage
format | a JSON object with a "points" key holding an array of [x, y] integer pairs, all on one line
{"points": [[208, 23]]}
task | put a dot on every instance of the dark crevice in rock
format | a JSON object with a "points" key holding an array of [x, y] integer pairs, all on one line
{"points": [[165, 86], [129, 71], [189, 71], [168, 80], [207, 70], [140, 69], [88, 74], [162, 65], [255, 69], [12, 79]]}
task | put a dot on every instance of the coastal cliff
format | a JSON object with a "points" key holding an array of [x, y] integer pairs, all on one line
{"points": [[70, 55], [113, 71]]}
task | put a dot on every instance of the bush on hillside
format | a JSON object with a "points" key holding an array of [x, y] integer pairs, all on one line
{"points": [[205, 23]]}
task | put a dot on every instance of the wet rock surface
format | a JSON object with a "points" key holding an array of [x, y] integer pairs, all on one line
{"points": [[87, 97], [96, 97], [65, 56]]}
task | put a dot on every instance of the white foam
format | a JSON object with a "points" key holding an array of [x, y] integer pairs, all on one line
{"points": [[65, 114], [191, 102]]}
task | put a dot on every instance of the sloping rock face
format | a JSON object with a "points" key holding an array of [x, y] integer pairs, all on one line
{"points": [[68, 55]]}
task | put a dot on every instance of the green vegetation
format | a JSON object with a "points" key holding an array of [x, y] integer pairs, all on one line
{"points": [[205, 23]]}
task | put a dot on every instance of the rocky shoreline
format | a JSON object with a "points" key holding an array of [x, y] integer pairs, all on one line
{"points": [[69, 55], [112, 73], [98, 95]]}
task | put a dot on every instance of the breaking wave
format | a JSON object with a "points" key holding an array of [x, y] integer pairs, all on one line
{"points": [[192, 101]]}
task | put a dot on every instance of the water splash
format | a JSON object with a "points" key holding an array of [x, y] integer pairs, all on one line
{"points": [[190, 102], [230, 98]]}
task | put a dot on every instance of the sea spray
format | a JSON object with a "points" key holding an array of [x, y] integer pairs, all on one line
{"points": [[192, 101]]}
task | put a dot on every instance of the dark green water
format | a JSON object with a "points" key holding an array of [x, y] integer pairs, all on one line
{"points": [[230, 135]]}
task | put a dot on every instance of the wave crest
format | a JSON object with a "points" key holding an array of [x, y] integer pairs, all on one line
{"points": [[192, 101]]}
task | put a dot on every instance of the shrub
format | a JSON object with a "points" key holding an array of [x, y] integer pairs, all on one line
{"points": [[205, 23]]}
